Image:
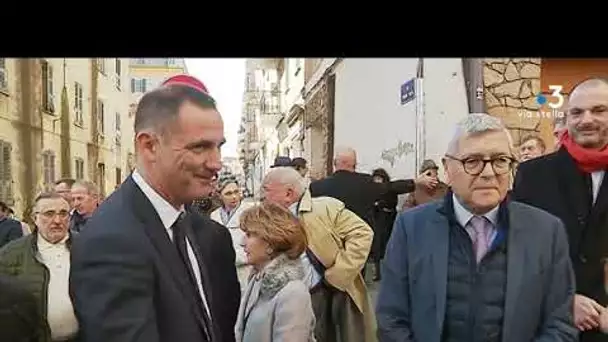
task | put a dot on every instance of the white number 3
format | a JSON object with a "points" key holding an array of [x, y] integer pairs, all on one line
{"points": [[557, 92]]}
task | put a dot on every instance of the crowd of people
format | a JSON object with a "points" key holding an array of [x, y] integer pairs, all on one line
{"points": [[510, 247]]}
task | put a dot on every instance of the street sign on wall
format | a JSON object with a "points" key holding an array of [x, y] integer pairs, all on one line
{"points": [[408, 91]]}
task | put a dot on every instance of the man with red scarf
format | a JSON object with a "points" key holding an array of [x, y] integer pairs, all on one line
{"points": [[569, 184]]}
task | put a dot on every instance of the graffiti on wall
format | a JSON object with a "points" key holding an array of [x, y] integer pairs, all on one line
{"points": [[401, 150]]}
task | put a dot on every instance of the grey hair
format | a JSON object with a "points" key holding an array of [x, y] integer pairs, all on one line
{"points": [[286, 176], [476, 123], [91, 187]]}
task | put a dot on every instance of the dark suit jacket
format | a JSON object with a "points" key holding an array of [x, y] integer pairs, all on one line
{"points": [[540, 282], [554, 183], [19, 315], [9, 230], [128, 284], [358, 191]]}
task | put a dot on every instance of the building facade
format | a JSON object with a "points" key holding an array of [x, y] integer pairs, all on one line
{"points": [[62, 117], [148, 73]]}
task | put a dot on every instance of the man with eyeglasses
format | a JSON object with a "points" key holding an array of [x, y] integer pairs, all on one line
{"points": [[477, 266], [41, 261], [570, 184]]}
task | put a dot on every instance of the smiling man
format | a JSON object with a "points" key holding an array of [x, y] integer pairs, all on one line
{"points": [[569, 184], [476, 266], [144, 268]]}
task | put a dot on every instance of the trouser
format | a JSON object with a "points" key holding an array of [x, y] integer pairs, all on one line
{"points": [[337, 317]]}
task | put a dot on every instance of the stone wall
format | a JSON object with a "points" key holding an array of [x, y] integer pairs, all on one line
{"points": [[316, 118], [510, 89]]}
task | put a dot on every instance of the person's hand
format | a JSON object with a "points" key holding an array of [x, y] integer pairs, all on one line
{"points": [[427, 181], [587, 313]]}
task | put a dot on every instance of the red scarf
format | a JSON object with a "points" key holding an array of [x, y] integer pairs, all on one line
{"points": [[588, 160]]}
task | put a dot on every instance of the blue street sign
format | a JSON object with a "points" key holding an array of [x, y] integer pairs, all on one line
{"points": [[408, 91]]}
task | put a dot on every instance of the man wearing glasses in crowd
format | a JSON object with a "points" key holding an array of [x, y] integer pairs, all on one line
{"points": [[41, 261], [477, 266]]}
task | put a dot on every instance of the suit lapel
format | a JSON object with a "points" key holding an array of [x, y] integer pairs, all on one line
{"points": [[574, 187], [517, 257], [157, 234], [439, 235]]}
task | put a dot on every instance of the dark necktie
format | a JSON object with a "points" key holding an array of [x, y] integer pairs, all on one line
{"points": [[180, 230]]}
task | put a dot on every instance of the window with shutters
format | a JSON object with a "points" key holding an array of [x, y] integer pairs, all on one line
{"points": [[78, 104], [138, 85], [118, 67], [79, 168], [3, 75], [101, 117], [117, 126], [118, 176], [48, 97], [48, 167], [6, 178], [101, 178]]}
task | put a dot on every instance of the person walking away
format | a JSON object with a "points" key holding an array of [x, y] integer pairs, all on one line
{"points": [[385, 210]]}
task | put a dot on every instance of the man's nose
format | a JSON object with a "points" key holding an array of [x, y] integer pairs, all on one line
{"points": [[214, 162]]}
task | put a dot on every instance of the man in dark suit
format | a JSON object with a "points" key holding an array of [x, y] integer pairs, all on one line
{"points": [[145, 269], [9, 229], [570, 184], [356, 190], [476, 266]]}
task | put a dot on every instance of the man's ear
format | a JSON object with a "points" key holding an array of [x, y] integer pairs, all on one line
{"points": [[446, 174], [146, 144]]}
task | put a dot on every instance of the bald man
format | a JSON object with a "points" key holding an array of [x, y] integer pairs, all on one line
{"points": [[357, 190], [570, 185]]}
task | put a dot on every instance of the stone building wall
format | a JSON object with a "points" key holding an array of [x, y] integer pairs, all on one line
{"points": [[316, 118], [510, 88]]}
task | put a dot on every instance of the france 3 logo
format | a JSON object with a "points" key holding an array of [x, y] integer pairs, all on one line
{"points": [[556, 104]]}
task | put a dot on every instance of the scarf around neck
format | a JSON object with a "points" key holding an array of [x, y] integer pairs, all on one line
{"points": [[587, 159]]}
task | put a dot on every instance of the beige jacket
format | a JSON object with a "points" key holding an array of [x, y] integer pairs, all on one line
{"points": [[341, 241]]}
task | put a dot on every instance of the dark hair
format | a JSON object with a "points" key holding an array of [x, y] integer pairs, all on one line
{"points": [[538, 139], [162, 105], [298, 163], [67, 181], [3, 206], [382, 174]]}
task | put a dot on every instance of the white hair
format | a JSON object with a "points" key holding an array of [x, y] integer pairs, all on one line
{"points": [[477, 123], [286, 176]]}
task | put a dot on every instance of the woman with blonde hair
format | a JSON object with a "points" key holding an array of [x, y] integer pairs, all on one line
{"points": [[276, 304]]}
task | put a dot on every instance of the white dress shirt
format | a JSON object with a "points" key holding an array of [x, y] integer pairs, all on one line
{"points": [[168, 215], [596, 182], [60, 312]]}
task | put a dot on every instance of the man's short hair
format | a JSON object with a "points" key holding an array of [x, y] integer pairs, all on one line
{"points": [[160, 106], [299, 163], [67, 181], [539, 141], [91, 187], [477, 123], [3, 206]]}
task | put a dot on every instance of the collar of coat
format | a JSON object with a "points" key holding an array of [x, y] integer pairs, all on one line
{"points": [[305, 202], [280, 271]]}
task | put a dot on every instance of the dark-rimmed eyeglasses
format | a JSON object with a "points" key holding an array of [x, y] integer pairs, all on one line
{"points": [[475, 166]]}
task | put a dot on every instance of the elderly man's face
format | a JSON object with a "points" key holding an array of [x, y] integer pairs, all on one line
{"points": [[281, 194], [484, 191], [51, 216], [84, 202]]}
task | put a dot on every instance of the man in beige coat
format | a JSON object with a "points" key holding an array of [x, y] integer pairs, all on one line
{"points": [[338, 245]]}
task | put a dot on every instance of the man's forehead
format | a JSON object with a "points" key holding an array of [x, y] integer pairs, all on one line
{"points": [[52, 203], [589, 95], [491, 142]]}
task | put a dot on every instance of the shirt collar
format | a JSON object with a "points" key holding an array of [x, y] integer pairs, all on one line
{"points": [[167, 213], [463, 215], [44, 245]]}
